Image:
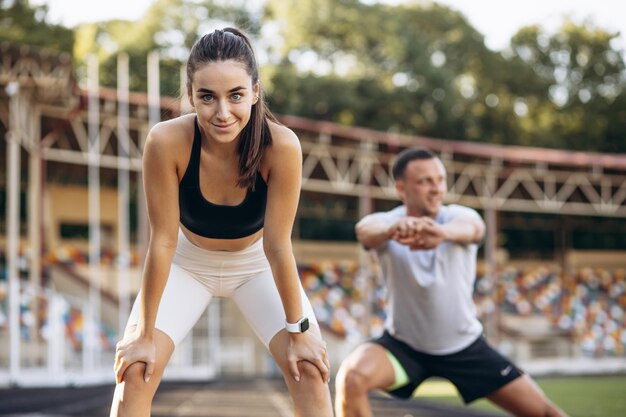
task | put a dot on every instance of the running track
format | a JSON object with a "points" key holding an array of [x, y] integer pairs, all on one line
{"points": [[224, 398]]}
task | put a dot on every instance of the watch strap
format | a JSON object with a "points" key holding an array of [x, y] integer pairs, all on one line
{"points": [[300, 326]]}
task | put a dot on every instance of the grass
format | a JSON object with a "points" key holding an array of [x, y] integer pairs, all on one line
{"points": [[582, 396]]}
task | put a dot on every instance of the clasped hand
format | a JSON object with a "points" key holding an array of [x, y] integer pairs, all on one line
{"points": [[134, 348], [309, 347], [417, 232]]}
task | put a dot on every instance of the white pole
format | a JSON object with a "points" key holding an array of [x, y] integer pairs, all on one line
{"points": [[491, 221], [34, 217], [154, 116], [123, 236], [154, 89], [91, 347], [13, 232], [56, 335], [13, 163], [13, 238], [213, 336]]}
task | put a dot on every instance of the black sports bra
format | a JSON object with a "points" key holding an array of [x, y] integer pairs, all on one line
{"points": [[215, 220]]}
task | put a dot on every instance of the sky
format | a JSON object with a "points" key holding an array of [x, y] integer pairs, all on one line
{"points": [[498, 20]]}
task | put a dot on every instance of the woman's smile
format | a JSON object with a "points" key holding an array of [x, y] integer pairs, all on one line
{"points": [[224, 126]]}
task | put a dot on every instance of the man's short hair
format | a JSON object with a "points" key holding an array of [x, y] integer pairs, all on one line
{"points": [[406, 156]]}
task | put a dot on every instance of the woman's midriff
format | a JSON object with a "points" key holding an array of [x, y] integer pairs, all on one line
{"points": [[229, 245]]}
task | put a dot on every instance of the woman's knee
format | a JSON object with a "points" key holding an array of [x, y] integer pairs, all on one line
{"points": [[309, 372], [134, 375]]}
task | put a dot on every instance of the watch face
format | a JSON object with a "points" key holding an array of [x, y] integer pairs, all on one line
{"points": [[304, 325]]}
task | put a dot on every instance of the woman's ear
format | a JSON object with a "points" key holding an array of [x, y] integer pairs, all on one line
{"points": [[256, 91]]}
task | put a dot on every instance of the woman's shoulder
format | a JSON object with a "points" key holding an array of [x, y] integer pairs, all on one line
{"points": [[169, 142], [284, 152], [283, 138], [171, 134], [172, 129]]}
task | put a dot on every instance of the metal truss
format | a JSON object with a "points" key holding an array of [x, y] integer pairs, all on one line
{"points": [[337, 160], [338, 165], [43, 112]]}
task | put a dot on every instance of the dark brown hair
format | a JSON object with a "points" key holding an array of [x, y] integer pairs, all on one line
{"points": [[223, 45], [406, 156]]}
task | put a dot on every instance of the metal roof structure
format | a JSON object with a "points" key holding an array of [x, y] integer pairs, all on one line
{"points": [[46, 116]]}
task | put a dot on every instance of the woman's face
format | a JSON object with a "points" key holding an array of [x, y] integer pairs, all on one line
{"points": [[223, 95]]}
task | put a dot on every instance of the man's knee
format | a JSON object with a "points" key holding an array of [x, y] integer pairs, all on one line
{"points": [[351, 382], [546, 410], [554, 411]]}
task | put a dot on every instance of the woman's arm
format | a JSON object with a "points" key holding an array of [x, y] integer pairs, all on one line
{"points": [[284, 159], [161, 189]]}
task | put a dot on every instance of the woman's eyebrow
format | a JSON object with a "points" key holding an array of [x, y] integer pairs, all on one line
{"points": [[232, 90]]}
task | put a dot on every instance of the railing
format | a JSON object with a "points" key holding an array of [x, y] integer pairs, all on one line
{"points": [[53, 353]]}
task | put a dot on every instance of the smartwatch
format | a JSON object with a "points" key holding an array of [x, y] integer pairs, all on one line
{"points": [[300, 326]]}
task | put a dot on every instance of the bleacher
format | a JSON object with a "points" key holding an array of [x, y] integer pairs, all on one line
{"points": [[540, 310]]}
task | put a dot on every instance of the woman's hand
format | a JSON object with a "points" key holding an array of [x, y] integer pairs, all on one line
{"points": [[307, 346], [134, 348]]}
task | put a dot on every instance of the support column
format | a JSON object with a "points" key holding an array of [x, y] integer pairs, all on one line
{"points": [[491, 246], [368, 279], [13, 231], [91, 345], [123, 235], [34, 216], [154, 116]]}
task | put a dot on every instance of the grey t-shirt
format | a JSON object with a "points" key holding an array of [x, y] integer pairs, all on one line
{"points": [[430, 305]]}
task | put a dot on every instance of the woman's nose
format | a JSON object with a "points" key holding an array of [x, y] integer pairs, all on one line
{"points": [[223, 109]]}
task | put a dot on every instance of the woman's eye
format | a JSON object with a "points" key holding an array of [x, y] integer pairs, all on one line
{"points": [[207, 97], [236, 96]]}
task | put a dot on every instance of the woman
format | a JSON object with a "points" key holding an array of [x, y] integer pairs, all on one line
{"points": [[222, 188]]}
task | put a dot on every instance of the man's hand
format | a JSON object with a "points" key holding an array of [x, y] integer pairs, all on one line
{"points": [[418, 233]]}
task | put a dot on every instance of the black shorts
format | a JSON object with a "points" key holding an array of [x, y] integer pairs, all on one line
{"points": [[476, 371]]}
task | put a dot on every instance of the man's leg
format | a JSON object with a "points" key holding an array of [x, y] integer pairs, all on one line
{"points": [[523, 398], [365, 369]]}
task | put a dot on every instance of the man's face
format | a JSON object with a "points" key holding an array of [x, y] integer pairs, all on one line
{"points": [[423, 187]]}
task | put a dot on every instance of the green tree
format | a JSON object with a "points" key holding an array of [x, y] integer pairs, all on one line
{"points": [[25, 24], [578, 98], [169, 27], [424, 69]]}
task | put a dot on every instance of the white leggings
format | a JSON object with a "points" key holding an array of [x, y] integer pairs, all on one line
{"points": [[198, 274]]}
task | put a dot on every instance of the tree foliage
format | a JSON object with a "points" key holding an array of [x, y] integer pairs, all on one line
{"points": [[169, 27], [22, 23], [415, 67], [424, 69], [580, 100]]}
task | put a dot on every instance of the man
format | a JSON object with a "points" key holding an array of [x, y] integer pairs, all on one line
{"points": [[427, 253]]}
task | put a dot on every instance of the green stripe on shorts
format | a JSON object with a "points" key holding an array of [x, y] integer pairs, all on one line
{"points": [[401, 377]]}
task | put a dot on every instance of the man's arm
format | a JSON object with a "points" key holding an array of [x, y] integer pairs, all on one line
{"points": [[426, 234], [464, 230], [373, 230]]}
